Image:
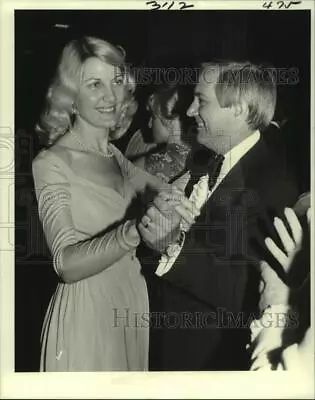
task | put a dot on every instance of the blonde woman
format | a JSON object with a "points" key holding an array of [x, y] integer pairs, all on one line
{"points": [[97, 319]]}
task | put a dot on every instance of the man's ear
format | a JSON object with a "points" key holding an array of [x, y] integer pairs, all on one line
{"points": [[240, 110]]}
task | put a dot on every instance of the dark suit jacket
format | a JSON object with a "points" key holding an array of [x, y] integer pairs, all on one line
{"points": [[205, 302]]}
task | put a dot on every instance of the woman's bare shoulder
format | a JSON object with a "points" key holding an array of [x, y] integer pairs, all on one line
{"points": [[54, 160], [61, 153]]}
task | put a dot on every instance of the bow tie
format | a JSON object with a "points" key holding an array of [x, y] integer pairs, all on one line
{"points": [[203, 161]]}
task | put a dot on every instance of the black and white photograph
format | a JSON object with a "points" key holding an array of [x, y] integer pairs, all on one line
{"points": [[161, 191]]}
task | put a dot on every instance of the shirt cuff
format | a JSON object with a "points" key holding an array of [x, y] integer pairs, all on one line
{"points": [[168, 259]]}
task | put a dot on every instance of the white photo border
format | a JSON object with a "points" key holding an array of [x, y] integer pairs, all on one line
{"points": [[111, 384]]}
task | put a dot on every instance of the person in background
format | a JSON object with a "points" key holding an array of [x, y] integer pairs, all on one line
{"points": [[163, 146], [85, 189], [282, 337]]}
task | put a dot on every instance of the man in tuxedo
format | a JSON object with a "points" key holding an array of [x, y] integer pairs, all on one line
{"points": [[208, 292]]}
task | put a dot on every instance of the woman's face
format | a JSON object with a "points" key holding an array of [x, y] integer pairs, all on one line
{"points": [[160, 131], [101, 93]]}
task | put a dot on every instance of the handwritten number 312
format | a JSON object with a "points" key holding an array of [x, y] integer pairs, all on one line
{"points": [[156, 6]]}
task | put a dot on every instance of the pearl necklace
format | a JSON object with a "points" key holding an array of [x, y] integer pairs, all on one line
{"points": [[85, 147]]}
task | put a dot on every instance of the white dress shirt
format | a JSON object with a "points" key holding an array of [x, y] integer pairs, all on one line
{"points": [[201, 194]]}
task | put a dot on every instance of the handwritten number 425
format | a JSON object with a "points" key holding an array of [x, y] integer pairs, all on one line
{"points": [[281, 4], [168, 5]]}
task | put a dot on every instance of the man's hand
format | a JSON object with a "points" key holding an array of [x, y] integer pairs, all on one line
{"points": [[168, 200], [160, 226]]}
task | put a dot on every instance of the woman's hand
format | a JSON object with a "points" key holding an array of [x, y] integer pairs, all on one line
{"points": [[291, 242], [276, 292], [275, 289], [174, 199], [160, 226]]}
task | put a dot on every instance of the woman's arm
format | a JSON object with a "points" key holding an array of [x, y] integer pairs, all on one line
{"points": [[140, 162], [138, 178], [74, 259]]}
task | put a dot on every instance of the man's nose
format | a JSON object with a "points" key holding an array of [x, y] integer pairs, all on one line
{"points": [[192, 109]]}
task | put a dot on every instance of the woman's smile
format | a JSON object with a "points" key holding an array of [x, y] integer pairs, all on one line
{"points": [[106, 110]]}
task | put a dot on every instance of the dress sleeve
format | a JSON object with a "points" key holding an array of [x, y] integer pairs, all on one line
{"points": [[138, 178], [137, 147], [73, 259]]}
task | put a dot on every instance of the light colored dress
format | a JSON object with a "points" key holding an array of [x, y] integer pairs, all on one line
{"points": [[98, 323]]}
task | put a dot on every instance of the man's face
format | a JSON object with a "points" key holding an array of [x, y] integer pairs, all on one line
{"points": [[214, 123]]}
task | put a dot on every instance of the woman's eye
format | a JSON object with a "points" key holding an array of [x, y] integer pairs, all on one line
{"points": [[95, 85], [118, 80]]}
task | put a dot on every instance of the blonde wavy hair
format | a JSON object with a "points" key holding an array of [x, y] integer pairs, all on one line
{"points": [[57, 116]]}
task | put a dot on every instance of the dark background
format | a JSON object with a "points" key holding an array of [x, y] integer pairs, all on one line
{"points": [[181, 38]]}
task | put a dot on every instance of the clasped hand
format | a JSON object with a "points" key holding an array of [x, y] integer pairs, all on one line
{"points": [[160, 226]]}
